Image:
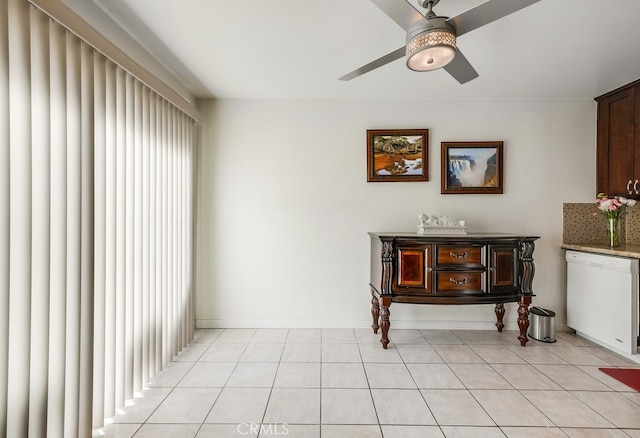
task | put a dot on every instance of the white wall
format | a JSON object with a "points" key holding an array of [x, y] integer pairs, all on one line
{"points": [[285, 207]]}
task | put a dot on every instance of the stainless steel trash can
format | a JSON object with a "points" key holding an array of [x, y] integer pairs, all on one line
{"points": [[542, 324]]}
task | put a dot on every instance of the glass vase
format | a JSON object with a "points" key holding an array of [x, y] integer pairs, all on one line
{"points": [[613, 232]]}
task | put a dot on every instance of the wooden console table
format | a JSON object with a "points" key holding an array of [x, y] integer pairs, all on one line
{"points": [[479, 268]]}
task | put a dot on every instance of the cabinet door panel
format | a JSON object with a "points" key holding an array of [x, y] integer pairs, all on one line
{"points": [[414, 269], [616, 145], [636, 144], [503, 268]]}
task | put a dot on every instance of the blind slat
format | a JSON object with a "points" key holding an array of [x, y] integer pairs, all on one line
{"points": [[147, 336], [19, 220], [85, 396], [119, 322], [4, 211], [110, 243], [58, 249], [74, 227], [137, 381], [40, 105], [99, 244], [129, 233]]}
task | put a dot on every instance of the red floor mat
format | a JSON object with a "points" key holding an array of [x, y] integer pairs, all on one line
{"points": [[628, 376]]}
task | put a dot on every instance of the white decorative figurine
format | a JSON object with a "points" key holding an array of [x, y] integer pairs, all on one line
{"points": [[440, 225]]}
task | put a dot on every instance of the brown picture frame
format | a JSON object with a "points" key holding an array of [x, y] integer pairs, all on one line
{"points": [[472, 167], [397, 155]]}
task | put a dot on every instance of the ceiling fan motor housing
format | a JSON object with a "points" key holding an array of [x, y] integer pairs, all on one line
{"points": [[432, 46]]}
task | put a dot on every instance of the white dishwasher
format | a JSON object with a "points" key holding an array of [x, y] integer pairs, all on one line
{"points": [[602, 299]]}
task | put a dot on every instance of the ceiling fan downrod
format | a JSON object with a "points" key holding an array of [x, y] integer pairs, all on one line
{"points": [[428, 4]]}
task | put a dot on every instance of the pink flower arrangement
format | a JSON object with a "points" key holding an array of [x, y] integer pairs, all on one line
{"points": [[613, 207]]}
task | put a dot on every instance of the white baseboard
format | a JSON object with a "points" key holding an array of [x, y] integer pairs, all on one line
{"points": [[395, 324], [262, 323]]}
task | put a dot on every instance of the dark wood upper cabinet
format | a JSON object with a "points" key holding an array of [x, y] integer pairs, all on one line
{"points": [[618, 141]]}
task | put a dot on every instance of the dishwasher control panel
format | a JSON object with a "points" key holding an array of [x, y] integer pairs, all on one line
{"points": [[611, 262]]}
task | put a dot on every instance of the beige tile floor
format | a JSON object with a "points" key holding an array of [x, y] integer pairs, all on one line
{"points": [[339, 383]]}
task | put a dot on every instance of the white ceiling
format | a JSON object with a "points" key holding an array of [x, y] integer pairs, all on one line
{"points": [[298, 48]]}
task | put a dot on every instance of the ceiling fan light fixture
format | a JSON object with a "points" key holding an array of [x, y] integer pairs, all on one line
{"points": [[431, 50]]}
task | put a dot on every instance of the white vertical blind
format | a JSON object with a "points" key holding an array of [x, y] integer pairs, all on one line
{"points": [[96, 192]]}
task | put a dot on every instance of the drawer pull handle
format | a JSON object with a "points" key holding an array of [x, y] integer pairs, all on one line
{"points": [[635, 186], [459, 282], [629, 186], [455, 255]]}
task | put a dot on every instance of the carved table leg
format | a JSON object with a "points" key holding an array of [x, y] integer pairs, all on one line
{"points": [[499, 316], [523, 318], [375, 312], [527, 269], [384, 321]]}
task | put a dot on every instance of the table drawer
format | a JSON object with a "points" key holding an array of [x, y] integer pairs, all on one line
{"points": [[457, 281], [459, 255]]}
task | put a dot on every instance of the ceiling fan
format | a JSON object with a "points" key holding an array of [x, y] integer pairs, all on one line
{"points": [[431, 39]]}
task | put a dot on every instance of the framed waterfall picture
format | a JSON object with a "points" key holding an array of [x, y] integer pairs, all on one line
{"points": [[472, 167], [397, 155]]}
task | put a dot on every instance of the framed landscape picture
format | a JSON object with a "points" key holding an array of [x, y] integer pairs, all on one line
{"points": [[397, 155], [472, 167]]}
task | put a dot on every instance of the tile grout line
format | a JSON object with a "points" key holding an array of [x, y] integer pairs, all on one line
{"points": [[275, 376], [366, 375]]}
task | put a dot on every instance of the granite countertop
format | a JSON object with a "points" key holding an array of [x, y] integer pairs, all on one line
{"points": [[631, 251]]}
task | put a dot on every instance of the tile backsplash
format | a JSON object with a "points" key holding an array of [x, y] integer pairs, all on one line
{"points": [[580, 226]]}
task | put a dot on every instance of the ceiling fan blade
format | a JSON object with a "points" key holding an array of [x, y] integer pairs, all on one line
{"points": [[460, 68], [400, 11], [485, 13], [386, 59]]}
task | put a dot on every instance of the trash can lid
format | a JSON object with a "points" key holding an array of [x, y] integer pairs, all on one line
{"points": [[542, 312]]}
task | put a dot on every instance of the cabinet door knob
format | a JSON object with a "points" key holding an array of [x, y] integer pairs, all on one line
{"points": [[629, 186], [635, 186]]}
